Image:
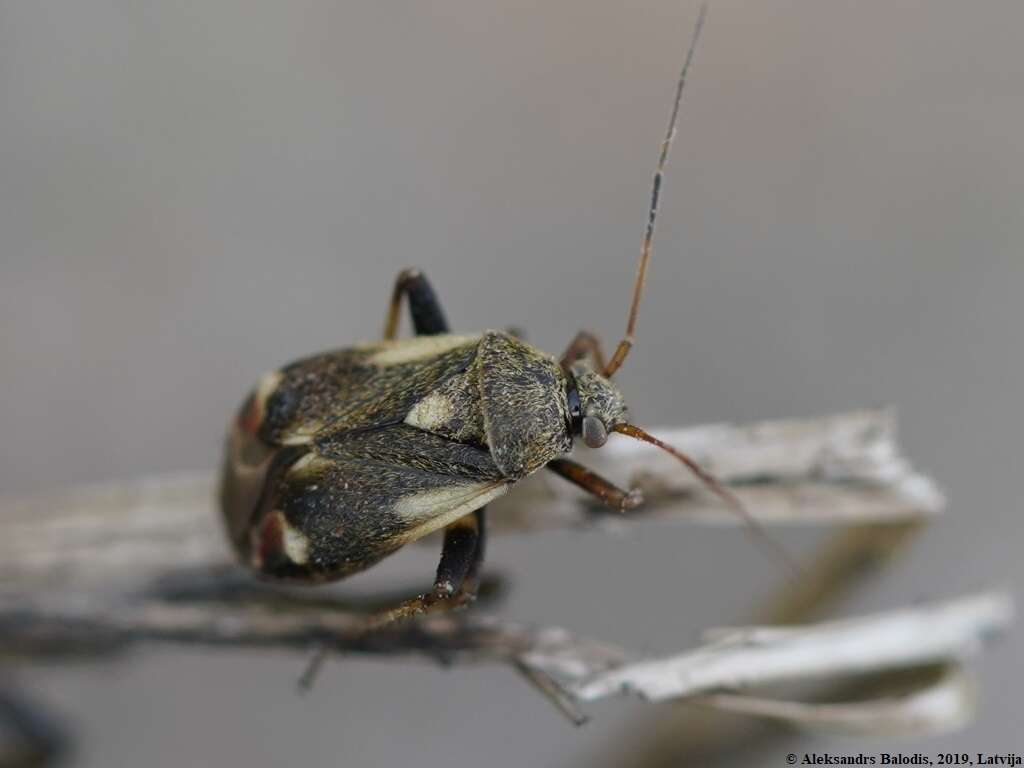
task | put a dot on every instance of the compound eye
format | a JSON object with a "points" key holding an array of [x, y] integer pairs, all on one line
{"points": [[594, 432]]}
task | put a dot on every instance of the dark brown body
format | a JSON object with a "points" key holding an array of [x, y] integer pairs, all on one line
{"points": [[337, 460]]}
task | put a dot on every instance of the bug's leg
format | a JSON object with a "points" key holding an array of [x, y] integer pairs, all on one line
{"points": [[427, 316], [32, 735], [595, 485], [584, 344], [456, 584], [457, 574], [471, 581]]}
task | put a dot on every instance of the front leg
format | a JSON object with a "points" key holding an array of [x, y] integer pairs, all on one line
{"points": [[597, 486]]}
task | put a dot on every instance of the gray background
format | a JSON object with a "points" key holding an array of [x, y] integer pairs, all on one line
{"points": [[193, 193]]}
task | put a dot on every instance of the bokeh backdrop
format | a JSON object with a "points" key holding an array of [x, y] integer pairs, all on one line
{"points": [[191, 193]]}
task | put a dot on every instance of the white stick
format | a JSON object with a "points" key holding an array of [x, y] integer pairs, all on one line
{"points": [[99, 569], [742, 658]]}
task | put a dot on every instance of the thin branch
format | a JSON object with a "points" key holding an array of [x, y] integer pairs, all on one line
{"points": [[570, 670], [737, 659], [835, 470], [98, 571], [856, 451], [941, 699]]}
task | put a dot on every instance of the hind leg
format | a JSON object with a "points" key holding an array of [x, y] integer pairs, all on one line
{"points": [[462, 554], [427, 315], [457, 579]]}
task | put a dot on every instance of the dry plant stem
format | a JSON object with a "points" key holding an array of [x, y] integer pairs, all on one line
{"points": [[100, 570], [844, 562], [859, 446], [568, 669], [683, 733], [938, 700], [745, 657], [834, 470]]}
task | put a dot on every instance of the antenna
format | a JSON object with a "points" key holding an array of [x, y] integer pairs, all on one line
{"points": [[719, 490], [647, 247]]}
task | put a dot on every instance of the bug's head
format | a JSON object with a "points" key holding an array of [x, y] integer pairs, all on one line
{"points": [[597, 408], [596, 405]]}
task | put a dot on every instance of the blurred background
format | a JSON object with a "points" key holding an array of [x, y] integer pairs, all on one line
{"points": [[191, 194]]}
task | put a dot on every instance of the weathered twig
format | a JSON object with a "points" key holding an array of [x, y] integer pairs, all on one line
{"points": [[99, 570], [933, 699], [742, 658], [854, 553], [569, 669], [835, 470]]}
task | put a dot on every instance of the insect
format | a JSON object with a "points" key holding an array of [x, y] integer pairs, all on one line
{"points": [[337, 460]]}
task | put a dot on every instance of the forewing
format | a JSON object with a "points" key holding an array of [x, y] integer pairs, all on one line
{"points": [[353, 499], [357, 388]]}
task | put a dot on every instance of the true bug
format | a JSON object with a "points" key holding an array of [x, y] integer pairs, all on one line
{"points": [[337, 460]]}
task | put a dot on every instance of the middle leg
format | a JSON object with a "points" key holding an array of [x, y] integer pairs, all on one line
{"points": [[585, 343]]}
